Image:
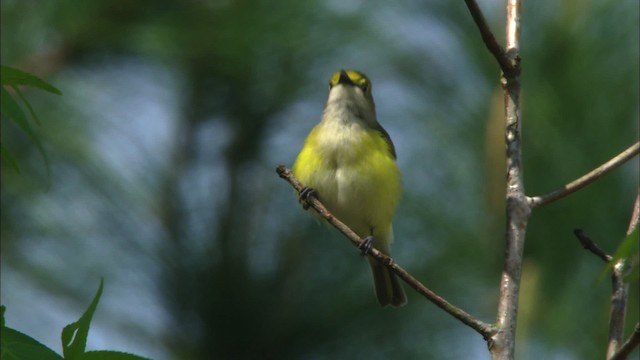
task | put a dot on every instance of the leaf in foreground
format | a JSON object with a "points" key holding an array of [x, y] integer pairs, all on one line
{"points": [[18, 346], [74, 335]]}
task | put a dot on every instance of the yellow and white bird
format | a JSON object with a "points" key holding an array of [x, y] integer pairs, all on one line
{"points": [[348, 160]]}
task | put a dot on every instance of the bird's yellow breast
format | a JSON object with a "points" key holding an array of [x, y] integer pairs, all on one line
{"points": [[354, 173]]}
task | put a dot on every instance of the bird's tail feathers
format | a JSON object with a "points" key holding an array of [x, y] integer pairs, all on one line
{"points": [[387, 286]]}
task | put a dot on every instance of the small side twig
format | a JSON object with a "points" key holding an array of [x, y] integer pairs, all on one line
{"points": [[587, 179], [490, 41], [486, 330], [619, 294], [590, 245], [632, 342]]}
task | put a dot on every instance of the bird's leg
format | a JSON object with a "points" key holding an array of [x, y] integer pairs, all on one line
{"points": [[366, 245], [304, 195]]}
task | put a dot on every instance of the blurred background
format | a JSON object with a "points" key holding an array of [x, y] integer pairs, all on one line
{"points": [[175, 114]]}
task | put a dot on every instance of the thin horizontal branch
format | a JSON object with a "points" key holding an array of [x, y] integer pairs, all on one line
{"points": [[632, 342], [490, 40], [590, 245], [486, 330], [587, 179]]}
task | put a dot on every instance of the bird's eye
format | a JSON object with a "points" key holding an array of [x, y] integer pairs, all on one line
{"points": [[364, 88]]}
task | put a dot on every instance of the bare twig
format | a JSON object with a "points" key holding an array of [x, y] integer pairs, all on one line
{"points": [[481, 327], [506, 65], [635, 215], [632, 342], [502, 344], [587, 179], [590, 245], [620, 294], [519, 206]]}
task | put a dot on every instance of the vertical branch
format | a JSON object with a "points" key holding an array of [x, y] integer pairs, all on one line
{"points": [[502, 344], [620, 292], [635, 215], [518, 209]]}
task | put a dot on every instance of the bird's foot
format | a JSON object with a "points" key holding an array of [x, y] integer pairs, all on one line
{"points": [[304, 195], [366, 245]]}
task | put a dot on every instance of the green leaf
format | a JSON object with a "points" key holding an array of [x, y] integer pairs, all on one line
{"points": [[627, 248], [110, 355], [74, 336], [13, 77], [18, 346], [10, 108], [633, 275], [9, 158], [27, 104]]}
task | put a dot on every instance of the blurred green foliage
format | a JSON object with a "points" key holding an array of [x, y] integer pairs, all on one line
{"points": [[10, 79], [176, 113]]}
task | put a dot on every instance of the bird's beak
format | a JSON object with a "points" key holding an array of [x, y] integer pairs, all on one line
{"points": [[344, 78]]}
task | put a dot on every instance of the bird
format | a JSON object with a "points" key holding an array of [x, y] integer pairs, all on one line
{"points": [[348, 162]]}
